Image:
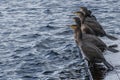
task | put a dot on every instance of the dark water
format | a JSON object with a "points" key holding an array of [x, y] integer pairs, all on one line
{"points": [[36, 44]]}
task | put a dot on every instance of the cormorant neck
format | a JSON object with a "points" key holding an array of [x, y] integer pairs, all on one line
{"points": [[78, 35], [85, 13], [82, 19]]}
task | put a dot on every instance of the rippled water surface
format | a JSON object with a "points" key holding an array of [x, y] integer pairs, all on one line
{"points": [[36, 44]]}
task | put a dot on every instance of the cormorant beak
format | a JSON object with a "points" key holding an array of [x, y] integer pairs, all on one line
{"points": [[76, 13], [73, 27]]}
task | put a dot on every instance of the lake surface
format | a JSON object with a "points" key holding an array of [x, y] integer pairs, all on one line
{"points": [[36, 44]]}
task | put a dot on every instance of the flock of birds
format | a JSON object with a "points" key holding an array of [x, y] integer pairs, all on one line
{"points": [[87, 31]]}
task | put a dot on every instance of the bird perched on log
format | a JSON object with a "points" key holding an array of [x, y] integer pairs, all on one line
{"points": [[92, 53], [97, 42], [92, 27]]}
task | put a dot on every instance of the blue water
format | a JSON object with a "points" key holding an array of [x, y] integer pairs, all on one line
{"points": [[36, 44]]}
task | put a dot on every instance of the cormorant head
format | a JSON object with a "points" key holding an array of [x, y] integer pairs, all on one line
{"points": [[77, 20], [83, 8], [79, 13]]}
